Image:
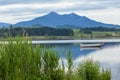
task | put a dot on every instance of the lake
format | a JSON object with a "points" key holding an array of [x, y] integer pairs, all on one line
{"points": [[108, 55]]}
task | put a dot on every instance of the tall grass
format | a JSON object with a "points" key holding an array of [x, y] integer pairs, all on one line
{"points": [[22, 61], [90, 70]]}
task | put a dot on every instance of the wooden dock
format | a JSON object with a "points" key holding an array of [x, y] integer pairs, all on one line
{"points": [[91, 45]]}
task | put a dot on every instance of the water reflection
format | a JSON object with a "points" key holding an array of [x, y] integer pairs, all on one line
{"points": [[74, 49], [109, 57]]}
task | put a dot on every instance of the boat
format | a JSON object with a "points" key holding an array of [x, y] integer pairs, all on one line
{"points": [[91, 45]]}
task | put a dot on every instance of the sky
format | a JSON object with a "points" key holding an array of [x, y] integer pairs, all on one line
{"points": [[13, 11]]}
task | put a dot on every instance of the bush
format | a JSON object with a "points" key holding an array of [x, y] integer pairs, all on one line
{"points": [[90, 70]]}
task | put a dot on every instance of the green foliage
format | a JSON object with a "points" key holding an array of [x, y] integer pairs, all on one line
{"points": [[70, 66], [51, 66], [70, 62], [105, 75], [42, 31], [19, 61], [90, 70], [22, 61]]}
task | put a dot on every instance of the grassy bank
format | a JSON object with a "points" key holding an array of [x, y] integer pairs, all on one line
{"points": [[23, 61], [79, 34]]}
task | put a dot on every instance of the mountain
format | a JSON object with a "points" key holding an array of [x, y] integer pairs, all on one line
{"points": [[54, 19], [4, 24]]}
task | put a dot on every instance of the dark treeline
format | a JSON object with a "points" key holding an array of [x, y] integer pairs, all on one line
{"points": [[43, 31], [100, 29], [47, 31]]}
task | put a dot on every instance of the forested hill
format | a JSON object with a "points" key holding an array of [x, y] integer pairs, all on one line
{"points": [[4, 24], [43, 31]]}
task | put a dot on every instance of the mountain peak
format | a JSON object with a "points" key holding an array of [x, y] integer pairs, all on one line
{"points": [[54, 19], [53, 13], [73, 14]]}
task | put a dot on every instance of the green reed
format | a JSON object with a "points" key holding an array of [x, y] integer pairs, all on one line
{"points": [[22, 61]]}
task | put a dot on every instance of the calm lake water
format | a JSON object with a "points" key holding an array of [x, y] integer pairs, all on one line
{"points": [[108, 55]]}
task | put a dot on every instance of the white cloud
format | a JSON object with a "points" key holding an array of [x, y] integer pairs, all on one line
{"points": [[110, 16], [102, 10]]}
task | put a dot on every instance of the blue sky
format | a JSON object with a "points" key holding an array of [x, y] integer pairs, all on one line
{"points": [[13, 11]]}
